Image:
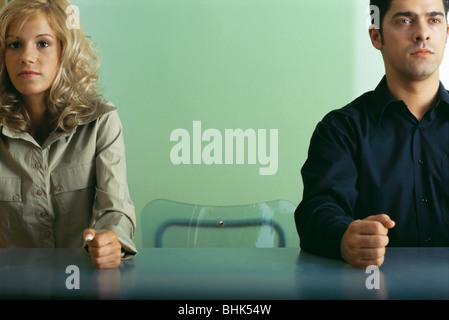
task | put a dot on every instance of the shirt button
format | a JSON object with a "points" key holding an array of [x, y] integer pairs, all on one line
{"points": [[421, 161], [58, 188], [16, 197], [43, 214], [39, 192], [37, 165], [424, 200]]}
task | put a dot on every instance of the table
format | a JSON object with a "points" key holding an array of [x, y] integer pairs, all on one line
{"points": [[221, 274]]}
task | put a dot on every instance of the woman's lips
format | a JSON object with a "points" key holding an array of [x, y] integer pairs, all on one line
{"points": [[28, 74]]}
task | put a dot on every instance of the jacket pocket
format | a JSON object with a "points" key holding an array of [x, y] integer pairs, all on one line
{"points": [[10, 203], [10, 189], [74, 191]]}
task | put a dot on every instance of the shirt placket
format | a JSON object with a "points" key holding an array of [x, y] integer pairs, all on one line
{"points": [[422, 199], [39, 167]]}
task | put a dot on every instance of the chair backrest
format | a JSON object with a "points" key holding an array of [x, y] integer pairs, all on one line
{"points": [[166, 223]]}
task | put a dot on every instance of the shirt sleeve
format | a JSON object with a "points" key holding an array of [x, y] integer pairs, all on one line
{"points": [[329, 176], [113, 208]]}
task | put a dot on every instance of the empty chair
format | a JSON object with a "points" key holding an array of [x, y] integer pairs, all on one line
{"points": [[172, 224]]}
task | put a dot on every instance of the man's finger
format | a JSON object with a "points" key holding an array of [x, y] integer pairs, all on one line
{"points": [[372, 241], [363, 263], [368, 253], [382, 218], [366, 227]]}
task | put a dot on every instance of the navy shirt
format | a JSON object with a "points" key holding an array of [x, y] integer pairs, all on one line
{"points": [[371, 157]]}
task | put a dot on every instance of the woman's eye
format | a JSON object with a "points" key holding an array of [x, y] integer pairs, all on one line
{"points": [[14, 45], [43, 44]]}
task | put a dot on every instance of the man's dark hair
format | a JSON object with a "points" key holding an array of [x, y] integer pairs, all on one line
{"points": [[384, 5]]}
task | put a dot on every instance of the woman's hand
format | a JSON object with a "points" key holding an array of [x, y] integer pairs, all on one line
{"points": [[104, 248]]}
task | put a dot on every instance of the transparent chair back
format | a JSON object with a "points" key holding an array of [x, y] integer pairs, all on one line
{"points": [[173, 224]]}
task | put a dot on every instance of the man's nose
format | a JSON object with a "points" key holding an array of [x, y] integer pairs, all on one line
{"points": [[421, 32]]}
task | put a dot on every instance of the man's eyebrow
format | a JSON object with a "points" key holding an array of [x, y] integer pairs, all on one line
{"points": [[411, 14], [403, 14], [435, 14]]}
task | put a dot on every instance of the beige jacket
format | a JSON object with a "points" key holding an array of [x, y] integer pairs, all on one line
{"points": [[49, 194]]}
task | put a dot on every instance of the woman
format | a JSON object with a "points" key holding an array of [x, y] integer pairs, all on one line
{"points": [[62, 164]]}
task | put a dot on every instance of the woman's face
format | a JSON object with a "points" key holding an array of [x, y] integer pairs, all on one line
{"points": [[32, 57]]}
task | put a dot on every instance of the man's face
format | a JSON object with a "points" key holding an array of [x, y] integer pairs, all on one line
{"points": [[414, 38]]}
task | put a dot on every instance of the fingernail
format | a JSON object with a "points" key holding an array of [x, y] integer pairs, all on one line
{"points": [[88, 237]]}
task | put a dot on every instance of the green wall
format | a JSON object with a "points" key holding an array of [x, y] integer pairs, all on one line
{"points": [[249, 64]]}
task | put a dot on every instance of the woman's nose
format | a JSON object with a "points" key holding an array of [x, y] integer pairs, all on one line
{"points": [[28, 54]]}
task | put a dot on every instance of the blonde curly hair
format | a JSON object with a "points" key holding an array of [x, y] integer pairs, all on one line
{"points": [[74, 93]]}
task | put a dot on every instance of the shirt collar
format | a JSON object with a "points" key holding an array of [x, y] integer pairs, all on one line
{"points": [[27, 137], [101, 109], [382, 98], [443, 95]]}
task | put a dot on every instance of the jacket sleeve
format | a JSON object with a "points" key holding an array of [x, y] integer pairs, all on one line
{"points": [[113, 209], [329, 176]]}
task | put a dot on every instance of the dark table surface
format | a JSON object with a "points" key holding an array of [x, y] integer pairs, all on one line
{"points": [[221, 274]]}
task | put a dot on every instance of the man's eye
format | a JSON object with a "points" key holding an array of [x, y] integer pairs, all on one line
{"points": [[434, 20], [405, 21]]}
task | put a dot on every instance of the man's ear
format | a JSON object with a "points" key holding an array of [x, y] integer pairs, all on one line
{"points": [[376, 38]]}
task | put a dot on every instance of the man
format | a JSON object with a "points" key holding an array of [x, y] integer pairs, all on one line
{"points": [[377, 172]]}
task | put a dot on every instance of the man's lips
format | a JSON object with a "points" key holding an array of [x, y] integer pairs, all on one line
{"points": [[421, 52]]}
